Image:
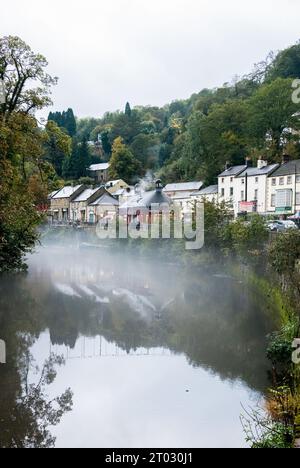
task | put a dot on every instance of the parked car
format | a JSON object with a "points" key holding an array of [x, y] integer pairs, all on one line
{"points": [[275, 226], [289, 224], [281, 226]]}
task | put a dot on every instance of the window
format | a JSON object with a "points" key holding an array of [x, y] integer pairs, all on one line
{"points": [[284, 198], [223, 192], [274, 182], [298, 198], [223, 180], [256, 195], [242, 195], [231, 179], [298, 179], [231, 191], [281, 181], [290, 180], [243, 181], [273, 200], [256, 180]]}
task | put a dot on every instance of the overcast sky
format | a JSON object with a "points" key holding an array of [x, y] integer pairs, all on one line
{"points": [[107, 52]]}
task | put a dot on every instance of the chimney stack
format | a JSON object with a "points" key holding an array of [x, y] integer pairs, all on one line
{"points": [[158, 185], [249, 162], [227, 165], [261, 163], [285, 158]]}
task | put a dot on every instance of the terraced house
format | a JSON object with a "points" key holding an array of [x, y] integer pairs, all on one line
{"points": [[251, 188], [79, 205], [60, 202], [284, 188]]}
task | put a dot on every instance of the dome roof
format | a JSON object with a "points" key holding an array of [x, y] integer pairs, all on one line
{"points": [[155, 197]]}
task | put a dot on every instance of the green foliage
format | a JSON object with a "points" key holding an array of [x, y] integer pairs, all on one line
{"points": [[286, 64], [75, 167], [247, 237], [57, 146], [66, 120], [271, 112], [123, 164], [19, 66], [106, 145], [145, 149], [284, 253], [128, 110], [278, 437], [18, 219]]}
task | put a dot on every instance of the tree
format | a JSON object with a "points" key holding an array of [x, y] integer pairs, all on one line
{"points": [[57, 146], [128, 110], [18, 219], [145, 149], [65, 119], [19, 67], [123, 164], [271, 114], [106, 144], [75, 167], [284, 256], [285, 65], [83, 161], [71, 125]]}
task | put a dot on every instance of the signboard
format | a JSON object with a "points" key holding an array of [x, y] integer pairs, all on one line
{"points": [[248, 207], [284, 210]]}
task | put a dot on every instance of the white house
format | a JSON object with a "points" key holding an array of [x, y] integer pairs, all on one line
{"points": [[105, 205], [181, 193], [283, 188], [210, 194], [79, 205], [251, 188], [228, 186]]}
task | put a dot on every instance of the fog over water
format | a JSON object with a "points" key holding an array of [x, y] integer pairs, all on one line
{"points": [[157, 354]]}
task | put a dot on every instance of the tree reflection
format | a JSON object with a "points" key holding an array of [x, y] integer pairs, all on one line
{"points": [[26, 411], [25, 419]]}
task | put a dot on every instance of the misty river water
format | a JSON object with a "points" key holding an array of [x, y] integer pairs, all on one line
{"points": [[155, 354]]}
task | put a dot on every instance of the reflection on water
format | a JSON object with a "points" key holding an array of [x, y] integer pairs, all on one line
{"points": [[155, 354]]}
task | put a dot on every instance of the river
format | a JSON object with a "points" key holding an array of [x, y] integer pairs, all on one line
{"points": [[155, 354]]}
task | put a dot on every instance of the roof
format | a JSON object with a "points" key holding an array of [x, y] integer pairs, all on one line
{"points": [[183, 187], [155, 197], [255, 171], [212, 189], [290, 168], [99, 167], [85, 195], [51, 195], [112, 183], [233, 171], [66, 192], [181, 195], [106, 199], [120, 192], [132, 202], [146, 200]]}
